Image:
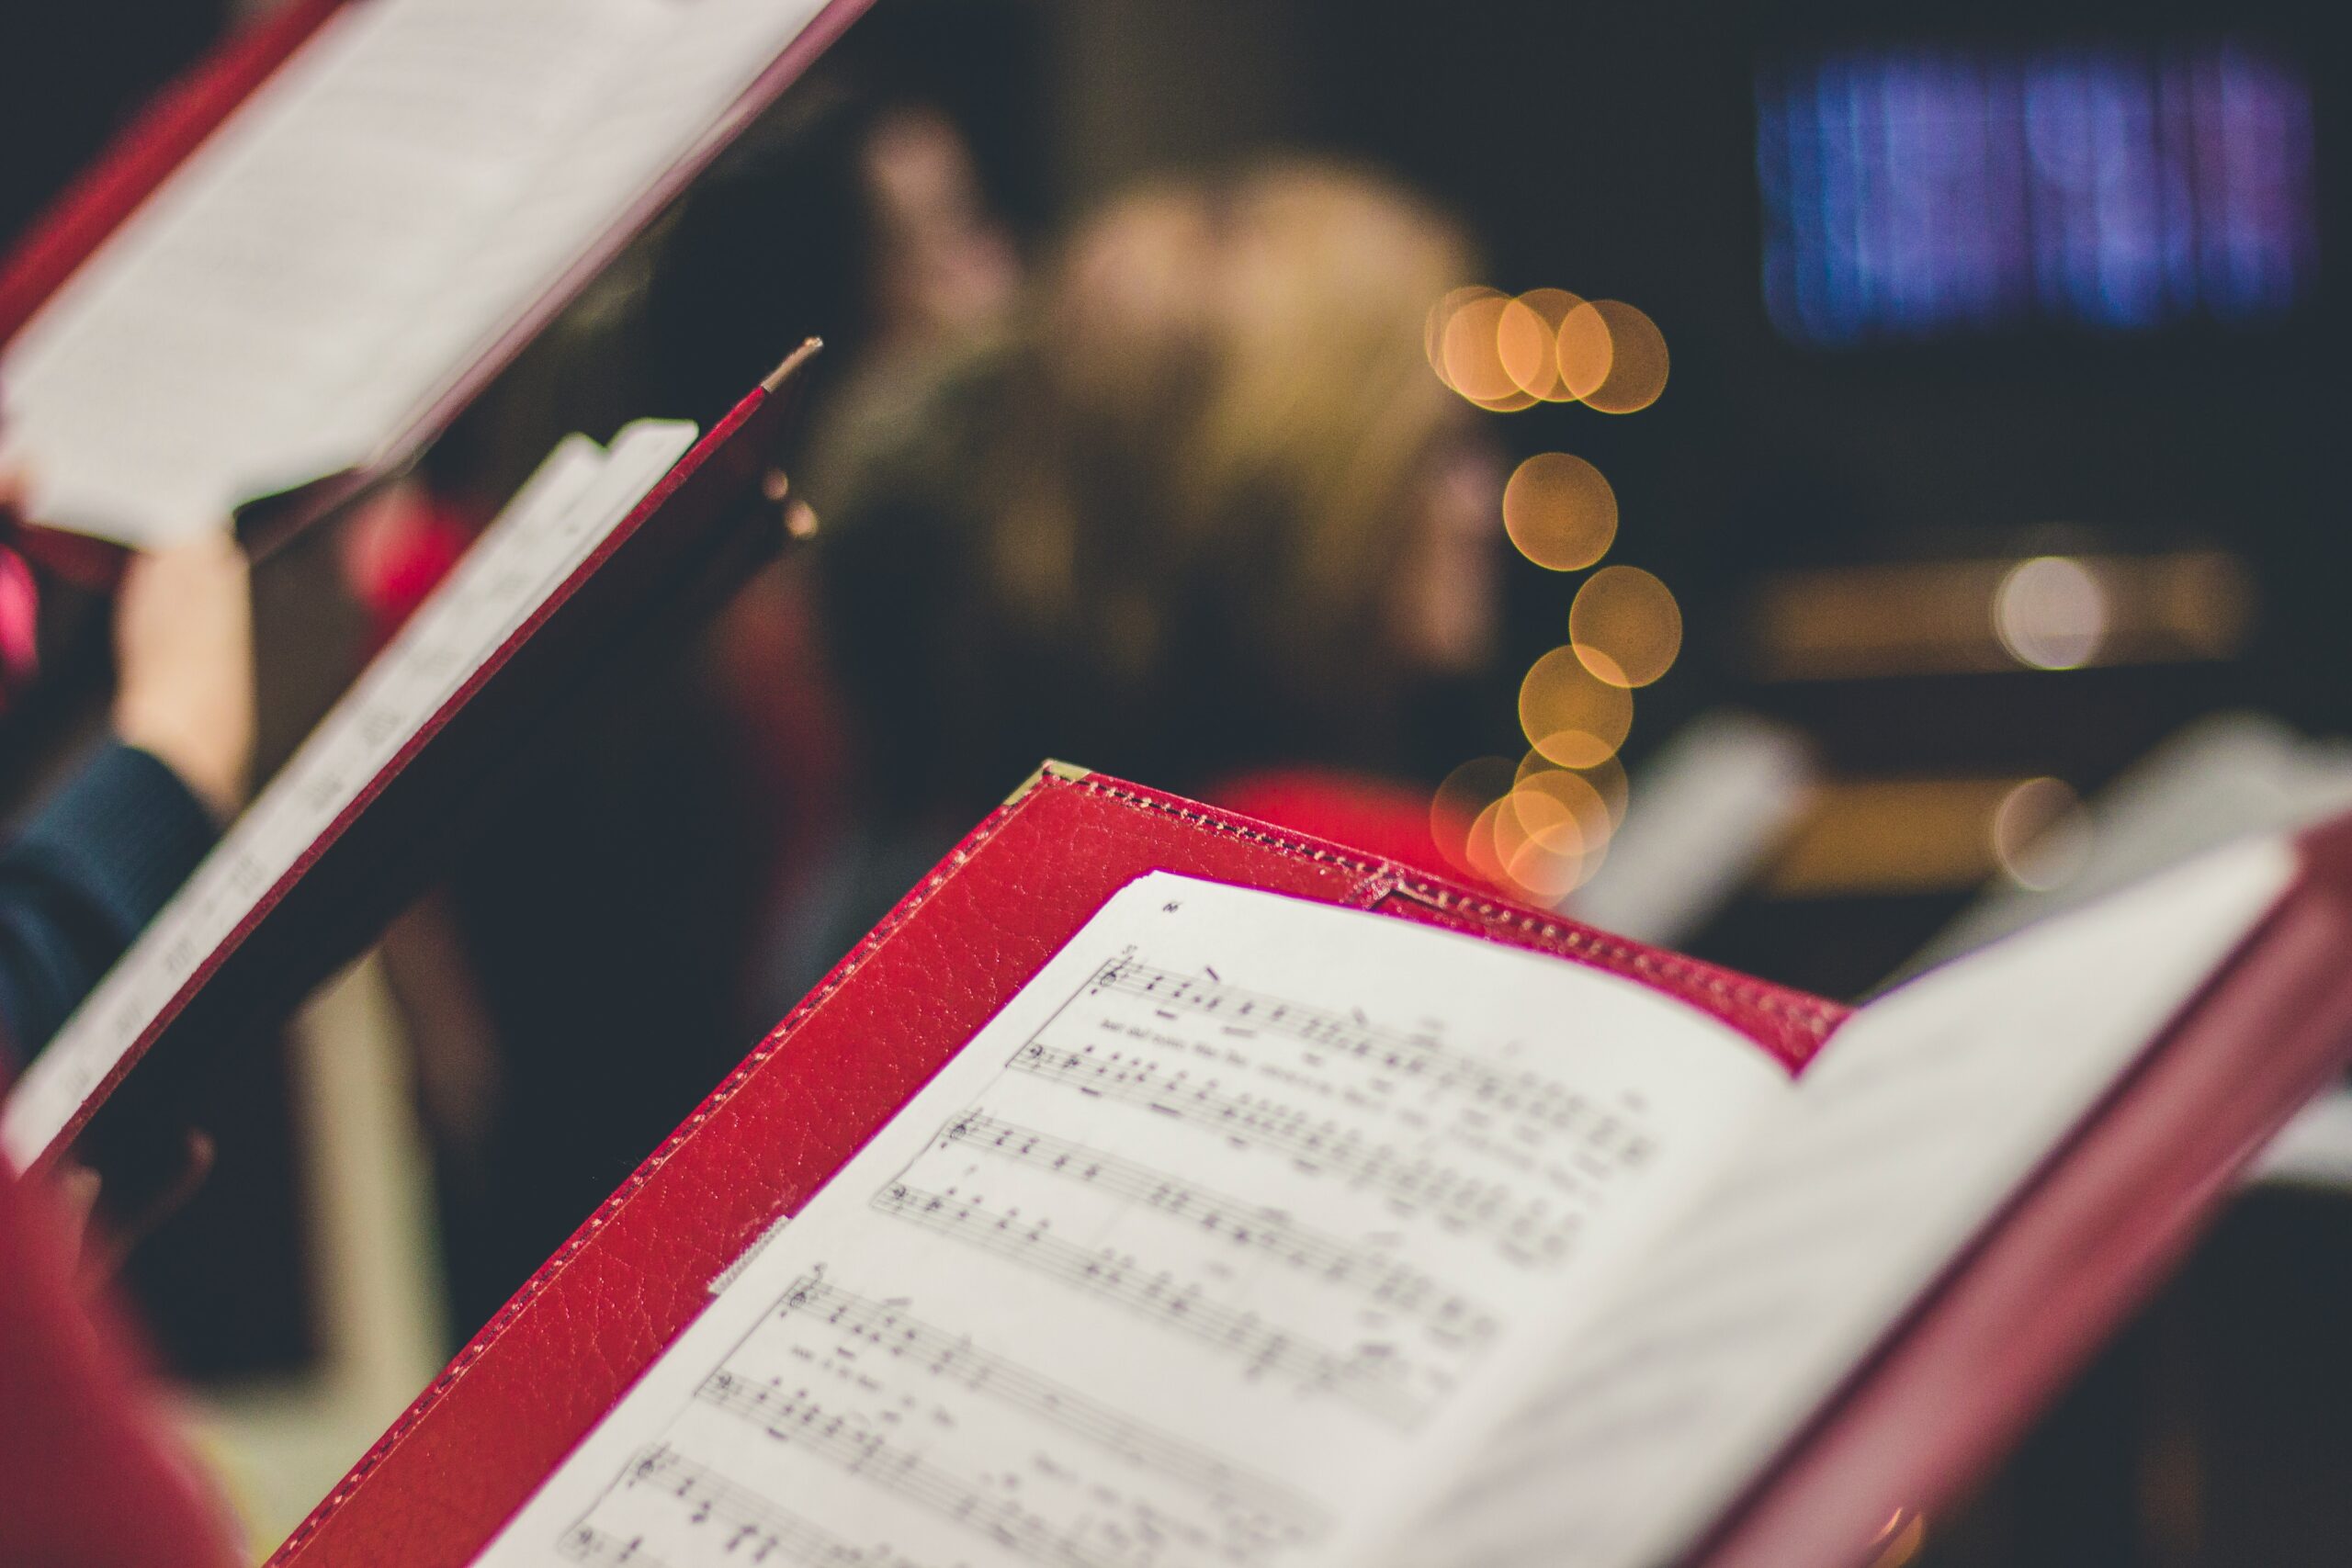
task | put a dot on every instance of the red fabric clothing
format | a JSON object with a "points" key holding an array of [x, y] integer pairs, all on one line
{"points": [[398, 552], [90, 1477]]}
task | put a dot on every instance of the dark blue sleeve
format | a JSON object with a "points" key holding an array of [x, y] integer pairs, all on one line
{"points": [[86, 875]]}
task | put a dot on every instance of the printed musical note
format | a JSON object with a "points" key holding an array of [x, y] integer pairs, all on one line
{"points": [[795, 1417], [1163, 1272], [900, 1334], [1388, 1282], [1529, 1228], [602, 1549], [756, 1527], [1533, 1095], [1371, 1381]]}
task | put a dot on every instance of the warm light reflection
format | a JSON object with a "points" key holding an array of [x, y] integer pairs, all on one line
{"points": [[1509, 403], [1899, 835], [1478, 846], [1900, 1540], [1612, 357], [1470, 351], [1440, 316], [1560, 510], [2051, 613], [1561, 811], [1571, 716], [1543, 876], [2041, 834], [1536, 830], [1539, 829], [1933, 617], [1607, 777], [1583, 350], [1527, 340], [1540, 866], [1625, 627], [1468, 791]]}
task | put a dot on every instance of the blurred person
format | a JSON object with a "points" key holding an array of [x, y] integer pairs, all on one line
{"points": [[1206, 520], [92, 1475], [101, 855], [580, 983], [864, 218], [90, 1472]]}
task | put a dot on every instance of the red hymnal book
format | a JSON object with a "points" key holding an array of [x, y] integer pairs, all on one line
{"points": [[1156, 1186], [305, 260], [603, 559]]}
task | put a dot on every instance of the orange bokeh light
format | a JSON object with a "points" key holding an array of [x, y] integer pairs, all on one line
{"points": [[1625, 627], [1541, 876], [1560, 510], [1538, 871], [1510, 402], [1534, 830], [1468, 791], [1526, 342], [1612, 357], [1470, 353], [1570, 714], [1583, 350], [1561, 811], [1434, 328], [1607, 777]]}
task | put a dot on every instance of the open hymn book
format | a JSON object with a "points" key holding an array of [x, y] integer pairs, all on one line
{"points": [[1253, 1231], [1158, 1196]]}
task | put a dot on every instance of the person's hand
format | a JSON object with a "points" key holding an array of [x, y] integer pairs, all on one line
{"points": [[184, 687]]}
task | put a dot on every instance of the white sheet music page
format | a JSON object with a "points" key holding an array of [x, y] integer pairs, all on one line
{"points": [[410, 185], [1911, 1129], [567, 508], [1221, 1244]]}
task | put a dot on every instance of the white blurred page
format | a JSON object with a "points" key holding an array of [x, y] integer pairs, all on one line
{"points": [[1718, 798], [1221, 1244], [381, 211], [562, 513], [1923, 1116]]}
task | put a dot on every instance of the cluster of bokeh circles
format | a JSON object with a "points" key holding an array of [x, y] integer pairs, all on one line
{"points": [[1540, 826], [1507, 352]]}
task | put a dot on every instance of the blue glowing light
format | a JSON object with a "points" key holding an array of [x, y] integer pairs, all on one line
{"points": [[1932, 192]]}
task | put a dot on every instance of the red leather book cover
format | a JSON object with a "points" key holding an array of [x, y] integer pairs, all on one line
{"points": [[476, 1444], [2112, 1212], [1916, 1425]]}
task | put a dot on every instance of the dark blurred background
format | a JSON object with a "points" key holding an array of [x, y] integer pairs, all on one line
{"points": [[1943, 380]]}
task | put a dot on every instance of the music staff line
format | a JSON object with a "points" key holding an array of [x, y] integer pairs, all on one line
{"points": [[1531, 1230], [899, 1333], [602, 1549], [798, 1419], [1388, 1284], [1368, 1384], [1414, 1055], [766, 1528]]}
